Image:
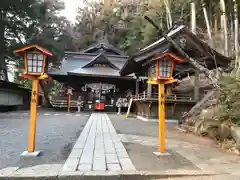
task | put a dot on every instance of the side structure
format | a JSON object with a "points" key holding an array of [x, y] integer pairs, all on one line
{"points": [[177, 100]]}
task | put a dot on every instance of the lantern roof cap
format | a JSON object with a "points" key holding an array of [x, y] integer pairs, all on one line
{"points": [[33, 46], [175, 58]]}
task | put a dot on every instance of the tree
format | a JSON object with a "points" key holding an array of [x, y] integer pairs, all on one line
{"points": [[29, 21]]}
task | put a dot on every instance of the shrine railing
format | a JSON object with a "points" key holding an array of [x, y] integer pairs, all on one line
{"points": [[62, 102], [169, 97]]}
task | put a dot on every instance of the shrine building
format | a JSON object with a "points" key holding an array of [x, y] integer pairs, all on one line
{"points": [[93, 74]]}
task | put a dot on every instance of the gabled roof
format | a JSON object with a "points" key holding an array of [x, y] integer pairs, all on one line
{"points": [[103, 45], [100, 59], [33, 46], [12, 85], [77, 63], [194, 47], [95, 71]]}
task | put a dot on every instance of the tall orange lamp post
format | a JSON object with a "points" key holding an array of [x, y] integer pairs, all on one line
{"points": [[34, 69], [160, 72]]}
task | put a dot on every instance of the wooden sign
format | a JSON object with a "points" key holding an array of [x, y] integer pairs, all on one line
{"points": [[69, 91]]}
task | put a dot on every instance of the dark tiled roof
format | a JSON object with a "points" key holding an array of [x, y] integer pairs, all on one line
{"points": [[105, 46], [195, 48], [101, 71], [78, 64], [100, 59], [12, 85]]}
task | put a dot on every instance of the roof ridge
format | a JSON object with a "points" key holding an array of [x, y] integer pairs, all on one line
{"points": [[106, 43], [94, 60], [94, 54]]}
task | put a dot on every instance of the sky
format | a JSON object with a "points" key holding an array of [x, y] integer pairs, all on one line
{"points": [[71, 9]]}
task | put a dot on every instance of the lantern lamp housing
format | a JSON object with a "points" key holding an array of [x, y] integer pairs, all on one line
{"points": [[34, 59], [162, 66], [165, 68], [35, 62]]}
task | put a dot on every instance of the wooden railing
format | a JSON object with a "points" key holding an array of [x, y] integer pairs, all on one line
{"points": [[154, 96], [62, 102]]}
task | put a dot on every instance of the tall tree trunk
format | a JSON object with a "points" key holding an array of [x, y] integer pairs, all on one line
{"points": [[207, 22], [45, 93], [209, 32], [3, 68], [168, 12], [236, 38], [215, 24], [224, 21], [193, 17]]}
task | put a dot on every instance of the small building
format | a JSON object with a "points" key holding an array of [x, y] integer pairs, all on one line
{"points": [[13, 96], [93, 74], [145, 98]]}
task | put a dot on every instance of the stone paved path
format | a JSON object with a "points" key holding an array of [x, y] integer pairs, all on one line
{"points": [[98, 148]]}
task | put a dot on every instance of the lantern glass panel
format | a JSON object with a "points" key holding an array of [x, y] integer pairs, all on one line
{"points": [[153, 70], [39, 69], [30, 69], [35, 62], [34, 69], [165, 68]]}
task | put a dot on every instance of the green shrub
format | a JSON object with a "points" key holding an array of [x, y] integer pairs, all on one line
{"points": [[228, 106]]}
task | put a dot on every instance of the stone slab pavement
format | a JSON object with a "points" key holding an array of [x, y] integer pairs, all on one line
{"points": [[98, 148]]}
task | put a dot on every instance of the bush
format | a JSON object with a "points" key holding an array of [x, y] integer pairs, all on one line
{"points": [[228, 96]]}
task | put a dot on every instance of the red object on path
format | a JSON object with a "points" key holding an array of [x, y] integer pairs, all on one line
{"points": [[99, 106]]}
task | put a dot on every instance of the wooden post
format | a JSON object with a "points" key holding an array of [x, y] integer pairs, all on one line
{"points": [[196, 85], [149, 90], [119, 110], [69, 102], [193, 17], [33, 115], [161, 118], [137, 87]]}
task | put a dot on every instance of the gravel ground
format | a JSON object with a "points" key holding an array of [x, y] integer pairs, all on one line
{"points": [[55, 136], [144, 159], [137, 127], [142, 156]]}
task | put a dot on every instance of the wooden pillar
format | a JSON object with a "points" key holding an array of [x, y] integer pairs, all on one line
{"points": [[149, 90], [196, 85], [137, 87]]}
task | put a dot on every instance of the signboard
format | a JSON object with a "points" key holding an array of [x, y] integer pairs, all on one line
{"points": [[69, 91]]}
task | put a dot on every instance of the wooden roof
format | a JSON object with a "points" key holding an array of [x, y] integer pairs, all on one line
{"points": [[190, 43], [33, 46], [12, 86], [103, 44], [100, 59], [87, 63]]}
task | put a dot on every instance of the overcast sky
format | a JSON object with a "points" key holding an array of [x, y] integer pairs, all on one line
{"points": [[71, 8]]}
